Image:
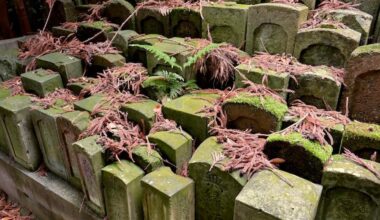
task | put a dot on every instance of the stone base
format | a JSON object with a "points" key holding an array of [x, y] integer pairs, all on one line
{"points": [[47, 197]]}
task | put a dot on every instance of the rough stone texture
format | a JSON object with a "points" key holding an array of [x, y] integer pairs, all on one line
{"points": [[122, 190], [4, 93], [356, 20], [362, 80], [70, 126], [10, 65], [149, 88], [16, 124], [147, 159], [91, 103], [186, 112], [105, 61], [41, 82], [215, 189], [139, 55], [121, 41], [79, 88], [267, 196], [350, 191], [325, 46], [141, 112], [185, 22], [275, 81], [273, 27], [63, 11], [117, 11], [87, 30], [150, 21], [226, 22], [316, 87], [369, 6], [69, 67], [302, 157], [58, 31], [48, 197], [376, 34], [177, 146], [90, 157], [362, 139], [167, 196], [259, 114]]}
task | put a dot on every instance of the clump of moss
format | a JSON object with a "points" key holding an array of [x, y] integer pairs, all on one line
{"points": [[363, 130]]}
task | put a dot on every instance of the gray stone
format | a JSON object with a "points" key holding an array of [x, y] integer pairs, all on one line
{"points": [[82, 88], [59, 31], [167, 196], [63, 11], [41, 82], [117, 11], [139, 55], [185, 22], [104, 61], [369, 6], [4, 93], [325, 46], [142, 113], [267, 196], [94, 31], [121, 41], [273, 27], [149, 20], [147, 159], [10, 66], [92, 103]]}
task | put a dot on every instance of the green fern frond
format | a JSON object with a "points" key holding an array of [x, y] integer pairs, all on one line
{"points": [[159, 55], [201, 53], [169, 76]]}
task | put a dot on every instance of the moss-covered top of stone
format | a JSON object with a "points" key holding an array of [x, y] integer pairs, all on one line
{"points": [[154, 80], [39, 75], [192, 103], [89, 145], [171, 47], [366, 49], [296, 7], [361, 129], [4, 92], [145, 107], [254, 68], [296, 139], [58, 58], [174, 139], [78, 118], [98, 25], [267, 103], [321, 71], [230, 5], [89, 104], [347, 33], [124, 170], [16, 103], [147, 38]]}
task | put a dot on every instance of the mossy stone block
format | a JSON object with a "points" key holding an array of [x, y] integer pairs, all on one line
{"points": [[186, 111], [167, 196], [62, 11], [226, 21], [260, 114], [177, 146], [317, 87], [104, 61], [122, 190], [147, 159], [303, 157], [41, 82], [185, 22], [82, 88], [87, 30], [141, 112], [350, 191], [215, 189], [92, 103], [362, 139], [274, 80], [121, 40], [267, 196], [149, 20], [70, 126], [16, 124], [139, 55], [4, 92], [10, 65], [59, 31], [149, 87], [68, 66], [117, 11], [90, 156]]}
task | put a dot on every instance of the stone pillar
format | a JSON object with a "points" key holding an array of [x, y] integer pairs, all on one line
{"points": [[185, 22], [149, 20]]}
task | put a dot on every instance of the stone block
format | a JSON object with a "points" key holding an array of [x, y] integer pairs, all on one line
{"points": [[350, 191], [69, 67], [10, 65], [121, 41], [362, 80], [41, 82], [167, 196], [186, 111], [139, 55], [369, 6], [147, 159], [267, 196], [123, 191], [104, 61], [4, 93], [317, 87], [82, 88], [226, 22], [149, 20], [376, 32], [215, 189], [88, 30], [142, 113], [177, 146], [185, 22], [325, 46], [70, 126], [303, 157], [149, 87], [90, 158], [275, 81], [117, 11], [92, 103], [63, 11], [260, 114], [363, 139], [16, 124], [59, 31], [272, 27]]}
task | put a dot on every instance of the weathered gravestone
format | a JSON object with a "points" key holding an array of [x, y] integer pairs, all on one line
{"points": [[121, 40], [10, 65], [94, 31], [362, 79], [259, 114], [63, 11], [303, 157], [369, 6], [226, 22], [186, 111], [70, 126], [185, 22], [41, 82], [317, 86], [122, 190], [362, 139], [90, 157], [59, 31], [100, 62], [350, 191], [177, 146], [82, 87], [137, 54], [325, 46], [167, 196], [4, 93], [16, 125], [267, 196], [147, 159], [117, 11], [69, 67], [149, 20], [92, 103], [215, 188], [272, 27]]}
